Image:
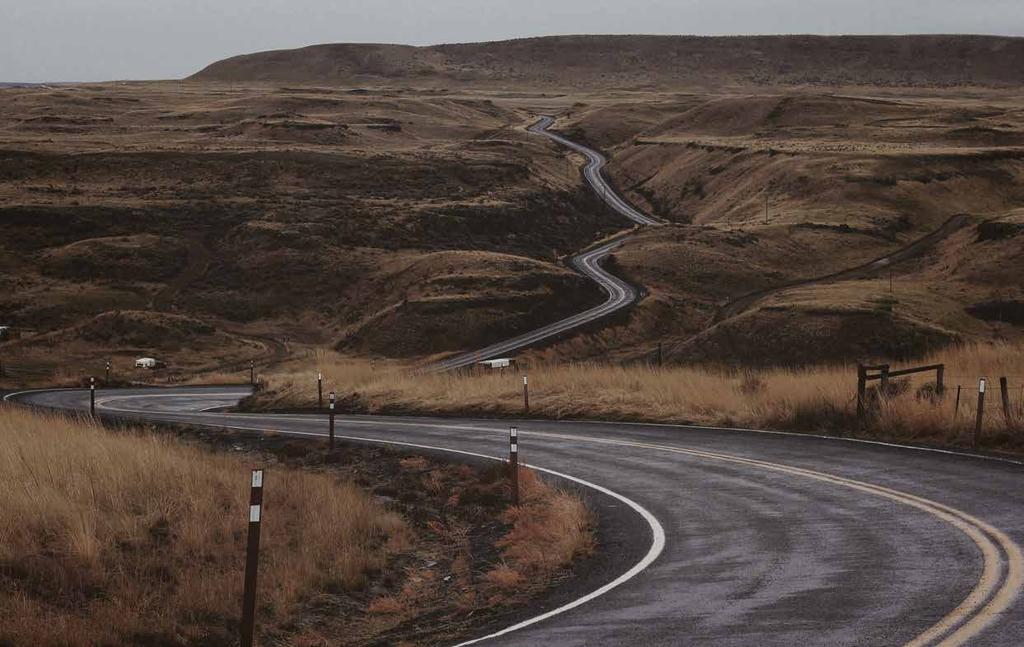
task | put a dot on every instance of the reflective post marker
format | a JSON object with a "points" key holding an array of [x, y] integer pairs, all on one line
{"points": [[92, 396], [107, 380], [981, 411], [513, 462], [252, 372], [319, 390], [332, 421], [252, 558], [526, 396]]}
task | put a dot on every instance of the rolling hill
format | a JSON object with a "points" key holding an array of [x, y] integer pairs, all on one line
{"points": [[647, 61]]}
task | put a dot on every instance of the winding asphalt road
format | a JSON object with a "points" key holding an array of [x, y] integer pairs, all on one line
{"points": [[728, 537], [620, 294], [588, 263]]}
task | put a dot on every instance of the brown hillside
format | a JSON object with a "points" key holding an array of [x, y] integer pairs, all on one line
{"points": [[648, 61]]}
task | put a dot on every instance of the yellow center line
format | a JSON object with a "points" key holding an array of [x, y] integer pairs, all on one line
{"points": [[972, 615], [987, 601]]}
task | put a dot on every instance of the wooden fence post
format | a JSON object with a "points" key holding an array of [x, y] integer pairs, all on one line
{"points": [[1004, 390], [940, 379], [862, 386]]}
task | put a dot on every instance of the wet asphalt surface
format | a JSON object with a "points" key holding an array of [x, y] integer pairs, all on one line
{"points": [[754, 553]]}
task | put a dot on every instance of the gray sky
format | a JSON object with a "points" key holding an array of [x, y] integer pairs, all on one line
{"points": [[89, 40]]}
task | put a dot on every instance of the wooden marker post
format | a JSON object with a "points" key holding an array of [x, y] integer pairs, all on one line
{"points": [[526, 396], [862, 388], [319, 390], [252, 372], [513, 462], [252, 559], [956, 405], [1004, 391], [981, 412], [92, 396], [331, 415]]}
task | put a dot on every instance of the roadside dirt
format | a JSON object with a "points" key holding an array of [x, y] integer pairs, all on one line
{"points": [[452, 582]]}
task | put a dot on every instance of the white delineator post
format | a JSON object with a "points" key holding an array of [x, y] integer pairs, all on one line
{"points": [[526, 395], [513, 462], [981, 412], [319, 390], [331, 415], [252, 558], [92, 396]]}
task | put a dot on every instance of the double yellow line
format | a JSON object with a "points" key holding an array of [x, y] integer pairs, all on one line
{"points": [[996, 589]]}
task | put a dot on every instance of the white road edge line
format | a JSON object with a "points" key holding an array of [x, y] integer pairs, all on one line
{"points": [[983, 605], [669, 425], [657, 531]]}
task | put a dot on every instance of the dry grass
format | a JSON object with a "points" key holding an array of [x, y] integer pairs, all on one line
{"points": [[811, 399], [550, 529], [115, 538]]}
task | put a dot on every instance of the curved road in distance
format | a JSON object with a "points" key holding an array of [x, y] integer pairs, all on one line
{"points": [[592, 173], [620, 294], [736, 537]]}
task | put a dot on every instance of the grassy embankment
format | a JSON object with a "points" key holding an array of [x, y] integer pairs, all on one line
{"points": [[135, 538], [810, 399]]}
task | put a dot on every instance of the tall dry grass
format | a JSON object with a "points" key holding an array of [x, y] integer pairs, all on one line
{"points": [[131, 538], [819, 398]]}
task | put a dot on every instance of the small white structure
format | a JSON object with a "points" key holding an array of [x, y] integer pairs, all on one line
{"points": [[502, 362], [147, 363]]}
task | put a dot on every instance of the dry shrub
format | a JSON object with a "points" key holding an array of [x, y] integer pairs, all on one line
{"points": [[107, 538], [549, 530], [385, 605], [503, 577]]}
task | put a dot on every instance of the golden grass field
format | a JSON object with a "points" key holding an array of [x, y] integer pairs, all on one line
{"points": [[107, 536], [809, 399], [130, 537]]}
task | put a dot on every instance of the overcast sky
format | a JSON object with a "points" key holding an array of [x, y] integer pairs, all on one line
{"points": [[89, 40]]}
